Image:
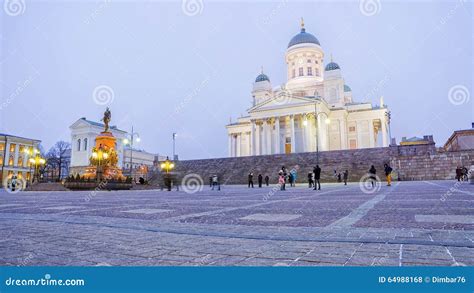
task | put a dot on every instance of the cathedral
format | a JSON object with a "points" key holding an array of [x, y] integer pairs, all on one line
{"points": [[313, 111]]}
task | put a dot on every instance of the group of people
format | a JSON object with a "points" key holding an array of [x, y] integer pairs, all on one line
{"points": [[462, 173], [314, 177], [373, 174], [259, 180]]}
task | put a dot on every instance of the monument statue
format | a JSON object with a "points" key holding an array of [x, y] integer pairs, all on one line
{"points": [[106, 119]]}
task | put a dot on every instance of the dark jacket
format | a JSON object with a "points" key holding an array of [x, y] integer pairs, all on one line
{"points": [[388, 170], [317, 173]]}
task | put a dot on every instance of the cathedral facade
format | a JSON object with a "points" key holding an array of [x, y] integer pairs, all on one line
{"points": [[314, 110]]}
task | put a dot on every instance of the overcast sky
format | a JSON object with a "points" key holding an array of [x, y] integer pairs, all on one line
{"points": [[188, 67]]}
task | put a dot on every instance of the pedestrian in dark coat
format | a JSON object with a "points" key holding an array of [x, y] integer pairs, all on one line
{"points": [[388, 174], [267, 179], [310, 180], [317, 177], [372, 175], [260, 180], [346, 176], [458, 173], [250, 177]]}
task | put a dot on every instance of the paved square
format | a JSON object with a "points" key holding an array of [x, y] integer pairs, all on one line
{"points": [[409, 223], [147, 211], [271, 217]]}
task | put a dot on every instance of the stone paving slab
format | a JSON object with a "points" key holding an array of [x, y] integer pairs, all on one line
{"points": [[339, 226]]}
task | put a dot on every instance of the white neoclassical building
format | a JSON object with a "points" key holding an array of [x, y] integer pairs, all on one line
{"points": [[314, 106]]}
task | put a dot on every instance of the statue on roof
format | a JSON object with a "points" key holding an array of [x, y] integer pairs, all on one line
{"points": [[106, 119]]}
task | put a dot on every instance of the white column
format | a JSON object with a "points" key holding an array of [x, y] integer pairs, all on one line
{"points": [[342, 132], [268, 137], [277, 135], [239, 144], [292, 127], [384, 134], [320, 132], [15, 160], [264, 137], [257, 140], [252, 139], [229, 147], [306, 138], [371, 134]]}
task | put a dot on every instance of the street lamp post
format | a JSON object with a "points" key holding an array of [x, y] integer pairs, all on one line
{"points": [[132, 136], [167, 165], [174, 145], [388, 114], [37, 161]]}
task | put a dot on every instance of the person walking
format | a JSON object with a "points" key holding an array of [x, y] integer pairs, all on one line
{"points": [[372, 175], [267, 179], [458, 173], [310, 180], [260, 180], [388, 174], [317, 177], [290, 179], [215, 181], [250, 177], [281, 180], [345, 176]]}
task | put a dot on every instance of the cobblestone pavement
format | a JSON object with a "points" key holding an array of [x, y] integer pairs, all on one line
{"points": [[409, 223]]}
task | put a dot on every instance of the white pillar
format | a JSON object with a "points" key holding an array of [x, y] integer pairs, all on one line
{"points": [[257, 140], [292, 127], [264, 137], [229, 147], [384, 134], [277, 135], [371, 134], [268, 136], [320, 132], [239, 144], [252, 139], [342, 132], [306, 137]]}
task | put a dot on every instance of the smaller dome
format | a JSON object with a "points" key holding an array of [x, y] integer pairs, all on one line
{"points": [[262, 77], [347, 88], [332, 66]]}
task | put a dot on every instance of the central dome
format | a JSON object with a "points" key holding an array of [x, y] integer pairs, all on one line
{"points": [[303, 37]]}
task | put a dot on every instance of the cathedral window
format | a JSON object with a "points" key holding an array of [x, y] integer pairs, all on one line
{"points": [[79, 145], [309, 60], [310, 71], [300, 73], [85, 144]]}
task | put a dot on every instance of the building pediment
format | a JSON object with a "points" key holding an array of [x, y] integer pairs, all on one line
{"points": [[281, 102]]}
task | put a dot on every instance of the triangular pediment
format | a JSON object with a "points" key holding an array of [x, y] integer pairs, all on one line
{"points": [[282, 102]]}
